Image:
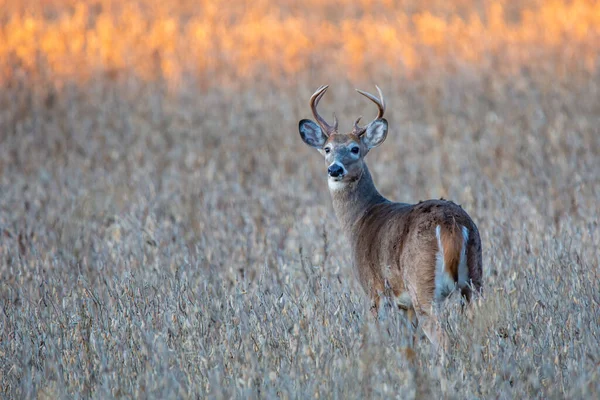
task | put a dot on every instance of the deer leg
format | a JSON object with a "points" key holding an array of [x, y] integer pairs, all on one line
{"points": [[428, 321], [375, 291], [375, 300], [434, 332], [411, 316]]}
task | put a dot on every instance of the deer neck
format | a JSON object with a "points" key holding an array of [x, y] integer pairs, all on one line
{"points": [[354, 199]]}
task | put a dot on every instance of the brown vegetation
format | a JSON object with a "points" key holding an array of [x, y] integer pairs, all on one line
{"points": [[162, 236]]}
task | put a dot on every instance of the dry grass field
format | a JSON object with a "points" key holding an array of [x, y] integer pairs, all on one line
{"points": [[164, 232]]}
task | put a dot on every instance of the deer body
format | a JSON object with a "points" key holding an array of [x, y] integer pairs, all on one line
{"points": [[396, 246], [416, 254]]}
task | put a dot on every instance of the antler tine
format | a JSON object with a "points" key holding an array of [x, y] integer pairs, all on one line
{"points": [[379, 101], [382, 109], [314, 101], [358, 130], [317, 100]]}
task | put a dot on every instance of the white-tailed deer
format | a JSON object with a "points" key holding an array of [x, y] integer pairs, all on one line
{"points": [[415, 253]]}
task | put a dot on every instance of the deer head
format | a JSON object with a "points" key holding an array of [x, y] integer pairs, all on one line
{"points": [[344, 152]]}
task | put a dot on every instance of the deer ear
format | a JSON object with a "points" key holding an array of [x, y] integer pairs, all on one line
{"points": [[375, 133], [311, 133]]}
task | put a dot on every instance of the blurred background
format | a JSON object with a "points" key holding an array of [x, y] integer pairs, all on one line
{"points": [[164, 232], [246, 43]]}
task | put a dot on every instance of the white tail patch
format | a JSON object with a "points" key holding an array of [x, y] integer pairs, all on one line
{"points": [[444, 283], [463, 271]]}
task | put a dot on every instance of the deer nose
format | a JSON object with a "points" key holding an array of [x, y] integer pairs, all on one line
{"points": [[335, 170]]}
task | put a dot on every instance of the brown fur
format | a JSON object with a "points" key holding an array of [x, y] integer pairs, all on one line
{"points": [[396, 242], [337, 138]]}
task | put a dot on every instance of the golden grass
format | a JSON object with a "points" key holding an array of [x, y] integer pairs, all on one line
{"points": [[225, 42], [164, 236]]}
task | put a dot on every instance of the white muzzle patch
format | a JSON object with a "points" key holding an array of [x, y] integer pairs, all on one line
{"points": [[336, 182]]}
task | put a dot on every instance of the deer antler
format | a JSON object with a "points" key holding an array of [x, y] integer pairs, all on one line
{"points": [[359, 130], [314, 101]]}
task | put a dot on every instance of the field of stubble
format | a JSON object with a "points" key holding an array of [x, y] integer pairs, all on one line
{"points": [[160, 245], [161, 241]]}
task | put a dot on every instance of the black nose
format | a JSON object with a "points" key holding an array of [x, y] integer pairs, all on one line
{"points": [[335, 170]]}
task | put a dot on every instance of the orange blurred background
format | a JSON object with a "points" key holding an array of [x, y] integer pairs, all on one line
{"points": [[229, 42]]}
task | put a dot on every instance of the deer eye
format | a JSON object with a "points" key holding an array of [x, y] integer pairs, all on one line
{"points": [[327, 150], [355, 150]]}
